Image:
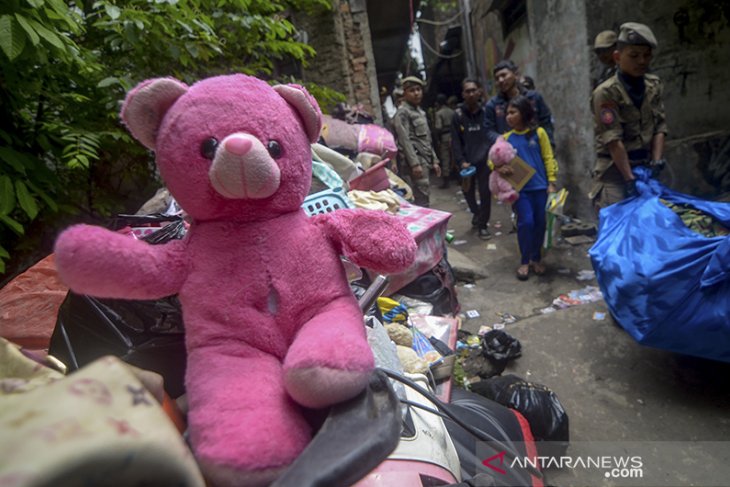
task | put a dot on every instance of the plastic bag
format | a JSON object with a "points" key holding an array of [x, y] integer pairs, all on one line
{"points": [[538, 404], [553, 209], [500, 347], [147, 334], [423, 347], [665, 284], [436, 287]]}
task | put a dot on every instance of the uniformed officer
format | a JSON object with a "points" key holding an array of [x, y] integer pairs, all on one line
{"points": [[415, 148], [442, 128], [629, 118], [603, 47]]}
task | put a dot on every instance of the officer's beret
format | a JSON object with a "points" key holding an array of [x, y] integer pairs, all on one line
{"points": [[636, 34], [412, 80], [605, 39]]}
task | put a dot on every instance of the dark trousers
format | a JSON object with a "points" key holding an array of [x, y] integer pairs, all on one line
{"points": [[530, 211], [482, 210]]}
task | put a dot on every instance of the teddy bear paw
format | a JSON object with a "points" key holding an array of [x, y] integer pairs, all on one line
{"points": [[318, 387]]}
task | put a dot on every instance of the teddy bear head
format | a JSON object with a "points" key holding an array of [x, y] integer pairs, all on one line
{"points": [[501, 152], [228, 147]]}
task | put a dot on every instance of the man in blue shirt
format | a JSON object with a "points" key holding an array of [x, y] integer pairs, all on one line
{"points": [[505, 76]]}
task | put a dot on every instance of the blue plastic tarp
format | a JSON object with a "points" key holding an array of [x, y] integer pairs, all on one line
{"points": [[666, 285]]}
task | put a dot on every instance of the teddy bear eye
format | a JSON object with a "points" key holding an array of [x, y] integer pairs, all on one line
{"points": [[274, 149], [208, 147]]}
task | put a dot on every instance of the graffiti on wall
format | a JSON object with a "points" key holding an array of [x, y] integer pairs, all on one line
{"points": [[702, 21], [492, 46], [714, 162]]}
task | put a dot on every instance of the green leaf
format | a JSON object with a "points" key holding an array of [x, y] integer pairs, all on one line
{"points": [[3, 253], [192, 48], [26, 200], [34, 39], [14, 225], [47, 35], [7, 195], [13, 158], [44, 196], [12, 39], [112, 11], [35, 3], [111, 80]]}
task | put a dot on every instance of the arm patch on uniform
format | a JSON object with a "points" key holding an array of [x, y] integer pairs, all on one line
{"points": [[607, 114]]}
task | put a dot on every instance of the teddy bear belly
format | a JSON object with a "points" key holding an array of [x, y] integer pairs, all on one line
{"points": [[280, 289]]}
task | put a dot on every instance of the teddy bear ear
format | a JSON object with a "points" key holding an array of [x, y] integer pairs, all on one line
{"points": [[146, 105], [307, 107]]}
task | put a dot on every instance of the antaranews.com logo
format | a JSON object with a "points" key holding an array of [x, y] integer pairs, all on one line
{"points": [[614, 463], [612, 467]]}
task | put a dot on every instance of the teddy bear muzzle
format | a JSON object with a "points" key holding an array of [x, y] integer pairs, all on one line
{"points": [[242, 168]]}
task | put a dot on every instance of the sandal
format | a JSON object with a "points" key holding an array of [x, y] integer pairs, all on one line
{"points": [[523, 272], [538, 268]]}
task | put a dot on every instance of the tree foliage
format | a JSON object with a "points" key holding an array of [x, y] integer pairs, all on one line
{"points": [[65, 66]]}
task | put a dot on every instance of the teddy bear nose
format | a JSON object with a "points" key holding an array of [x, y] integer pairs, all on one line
{"points": [[238, 145]]}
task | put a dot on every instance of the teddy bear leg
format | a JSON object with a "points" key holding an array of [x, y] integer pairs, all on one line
{"points": [[330, 360], [244, 428]]}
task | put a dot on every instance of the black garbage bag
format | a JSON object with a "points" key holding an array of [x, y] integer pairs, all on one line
{"points": [[496, 348], [146, 334], [537, 403], [436, 287], [500, 347]]}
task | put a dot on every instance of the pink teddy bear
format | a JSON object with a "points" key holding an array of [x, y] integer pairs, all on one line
{"points": [[501, 154], [271, 323]]}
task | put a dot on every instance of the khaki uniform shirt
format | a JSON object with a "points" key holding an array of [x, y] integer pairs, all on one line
{"points": [[442, 124], [414, 137], [617, 118]]}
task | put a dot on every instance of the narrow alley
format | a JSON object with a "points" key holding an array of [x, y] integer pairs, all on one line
{"points": [[611, 387]]}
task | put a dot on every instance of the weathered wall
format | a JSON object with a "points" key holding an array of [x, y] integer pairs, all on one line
{"points": [[693, 60], [491, 45], [563, 78], [344, 60]]}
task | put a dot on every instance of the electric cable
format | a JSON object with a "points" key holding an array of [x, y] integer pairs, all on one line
{"points": [[435, 52], [477, 433], [441, 22]]}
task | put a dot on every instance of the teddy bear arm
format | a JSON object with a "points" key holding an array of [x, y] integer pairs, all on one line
{"points": [[371, 239], [98, 262]]}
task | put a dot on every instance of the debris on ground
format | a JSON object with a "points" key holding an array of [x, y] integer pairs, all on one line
{"points": [[579, 239], [586, 275], [588, 294], [472, 313]]}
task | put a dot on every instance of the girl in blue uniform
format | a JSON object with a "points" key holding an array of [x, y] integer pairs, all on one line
{"points": [[533, 146]]}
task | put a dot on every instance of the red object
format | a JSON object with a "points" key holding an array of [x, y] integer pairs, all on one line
{"points": [[374, 179], [530, 445], [29, 305]]}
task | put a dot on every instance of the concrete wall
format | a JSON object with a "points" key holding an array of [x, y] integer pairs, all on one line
{"points": [[563, 77]]}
